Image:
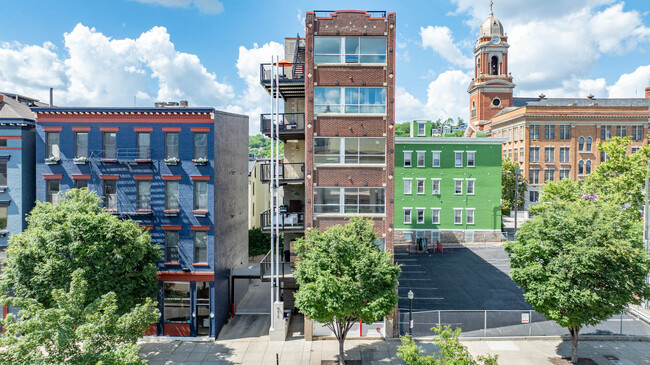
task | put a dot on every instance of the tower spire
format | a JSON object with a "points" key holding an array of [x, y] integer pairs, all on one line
{"points": [[491, 8]]}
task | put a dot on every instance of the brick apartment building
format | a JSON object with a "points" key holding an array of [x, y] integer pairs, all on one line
{"points": [[550, 138], [181, 172]]}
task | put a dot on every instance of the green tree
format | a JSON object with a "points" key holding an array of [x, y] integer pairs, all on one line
{"points": [[114, 255], [403, 129], [508, 186], [344, 278], [259, 243], [260, 144], [451, 351], [580, 263], [73, 332], [565, 190], [459, 133]]}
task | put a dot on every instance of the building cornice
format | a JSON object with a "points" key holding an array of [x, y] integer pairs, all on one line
{"points": [[449, 140], [598, 117]]}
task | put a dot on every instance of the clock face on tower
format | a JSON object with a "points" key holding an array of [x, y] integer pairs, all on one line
{"points": [[496, 40]]}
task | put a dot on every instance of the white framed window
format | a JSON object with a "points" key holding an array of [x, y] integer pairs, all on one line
{"points": [[407, 215], [407, 186], [458, 216], [349, 49], [521, 133], [458, 158], [470, 186], [458, 186], [421, 129], [420, 215], [349, 150], [350, 100], [407, 158], [471, 158], [420, 186], [420, 161], [350, 200], [435, 186], [436, 158], [469, 215], [435, 215]]}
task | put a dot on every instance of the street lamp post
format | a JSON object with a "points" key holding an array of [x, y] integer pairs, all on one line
{"points": [[410, 296], [516, 194]]}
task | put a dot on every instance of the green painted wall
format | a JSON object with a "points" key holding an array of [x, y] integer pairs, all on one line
{"points": [[486, 199]]}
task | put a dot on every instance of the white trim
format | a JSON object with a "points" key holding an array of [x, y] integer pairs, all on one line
{"points": [[432, 215], [461, 186], [462, 156], [474, 154], [410, 180], [473, 215], [417, 158], [417, 210], [461, 216], [433, 159], [473, 186], [449, 140], [424, 186], [432, 185], [410, 210], [410, 158]]}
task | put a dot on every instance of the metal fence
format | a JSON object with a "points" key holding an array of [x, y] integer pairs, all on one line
{"points": [[511, 323]]}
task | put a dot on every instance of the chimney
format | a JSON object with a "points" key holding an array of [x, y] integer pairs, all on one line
{"points": [[647, 92], [184, 103], [51, 97], [590, 97], [1, 98]]}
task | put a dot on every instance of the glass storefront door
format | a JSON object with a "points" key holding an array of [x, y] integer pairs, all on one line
{"points": [[203, 308], [177, 308]]}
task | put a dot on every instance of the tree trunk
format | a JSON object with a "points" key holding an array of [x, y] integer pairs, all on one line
{"points": [[574, 343], [341, 352]]}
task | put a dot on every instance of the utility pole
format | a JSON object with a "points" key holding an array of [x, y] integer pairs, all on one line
{"points": [[516, 194], [646, 226]]}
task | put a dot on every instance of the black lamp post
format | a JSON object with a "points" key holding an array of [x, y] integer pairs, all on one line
{"points": [[410, 296]]}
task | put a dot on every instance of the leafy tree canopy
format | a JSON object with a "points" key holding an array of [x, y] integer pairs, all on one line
{"points": [[260, 144], [508, 185], [114, 255], [73, 332]]}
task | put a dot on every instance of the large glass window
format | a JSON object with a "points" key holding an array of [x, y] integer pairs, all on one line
{"points": [[349, 150], [81, 144], [549, 154], [534, 132], [110, 145], [171, 195], [52, 145], [171, 246], [3, 173], [349, 200], [637, 132], [4, 217], [200, 246], [177, 301], [549, 132], [621, 130], [350, 100], [110, 194], [606, 132], [200, 195], [534, 154], [533, 176], [565, 132], [52, 190], [350, 50], [564, 154], [171, 145], [200, 145], [80, 183], [144, 195], [407, 186], [144, 145]]}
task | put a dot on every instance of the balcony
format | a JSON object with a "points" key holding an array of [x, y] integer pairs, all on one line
{"points": [[289, 173], [138, 155], [291, 79], [288, 221], [291, 125]]}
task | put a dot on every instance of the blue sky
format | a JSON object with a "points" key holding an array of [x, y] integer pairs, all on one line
{"points": [[207, 51]]}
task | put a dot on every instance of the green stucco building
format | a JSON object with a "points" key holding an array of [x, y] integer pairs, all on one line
{"points": [[447, 188]]}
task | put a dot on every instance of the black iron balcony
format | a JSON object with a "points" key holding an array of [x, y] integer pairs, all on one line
{"points": [[291, 125], [288, 221], [291, 79], [288, 173]]}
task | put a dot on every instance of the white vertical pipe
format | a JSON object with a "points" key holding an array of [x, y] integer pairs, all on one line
{"points": [[277, 181], [271, 211]]}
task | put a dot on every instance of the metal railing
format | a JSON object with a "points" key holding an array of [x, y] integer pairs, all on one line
{"points": [[265, 267], [287, 72], [286, 221], [288, 172], [328, 13], [123, 154], [288, 123]]}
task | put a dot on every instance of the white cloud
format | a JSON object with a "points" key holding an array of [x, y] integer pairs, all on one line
{"points": [[29, 70], [631, 85], [407, 106], [440, 40], [300, 17], [205, 6]]}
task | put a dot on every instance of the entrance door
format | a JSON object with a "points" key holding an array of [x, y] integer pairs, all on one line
{"points": [[203, 308]]}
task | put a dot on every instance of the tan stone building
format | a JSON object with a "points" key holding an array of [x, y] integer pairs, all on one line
{"points": [[550, 138], [258, 192]]}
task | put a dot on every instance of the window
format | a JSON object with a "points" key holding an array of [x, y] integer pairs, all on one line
{"points": [[522, 132], [350, 100], [605, 132], [3, 173], [581, 167], [4, 218], [350, 50], [549, 154], [581, 144], [171, 195], [534, 176], [349, 200], [200, 145], [3, 143], [510, 153], [420, 184], [635, 149], [588, 167], [80, 183], [171, 145], [588, 144], [505, 154], [565, 132], [110, 194], [177, 301], [521, 154], [200, 246], [471, 155], [436, 158], [420, 215], [144, 195], [637, 132], [200, 195], [459, 159], [469, 215], [458, 186], [470, 186], [143, 146], [549, 175], [564, 173], [171, 246], [109, 145], [52, 145], [549, 132], [534, 154], [435, 184], [564, 154], [458, 216], [533, 196], [421, 129], [407, 158], [349, 150], [603, 156], [407, 215], [420, 155], [407, 186], [52, 190], [435, 215], [534, 132], [515, 154], [621, 130], [81, 144]]}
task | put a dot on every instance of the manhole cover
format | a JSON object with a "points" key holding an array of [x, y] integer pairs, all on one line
{"points": [[611, 357]]}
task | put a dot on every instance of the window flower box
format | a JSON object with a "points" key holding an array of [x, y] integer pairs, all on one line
{"points": [[80, 160], [52, 160], [200, 213], [172, 161], [200, 161], [171, 212]]}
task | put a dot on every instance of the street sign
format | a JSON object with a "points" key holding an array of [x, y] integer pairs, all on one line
{"points": [[525, 318]]}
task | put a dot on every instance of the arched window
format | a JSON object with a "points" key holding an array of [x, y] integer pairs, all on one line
{"points": [[581, 167], [581, 143], [588, 167], [494, 67], [588, 144]]}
